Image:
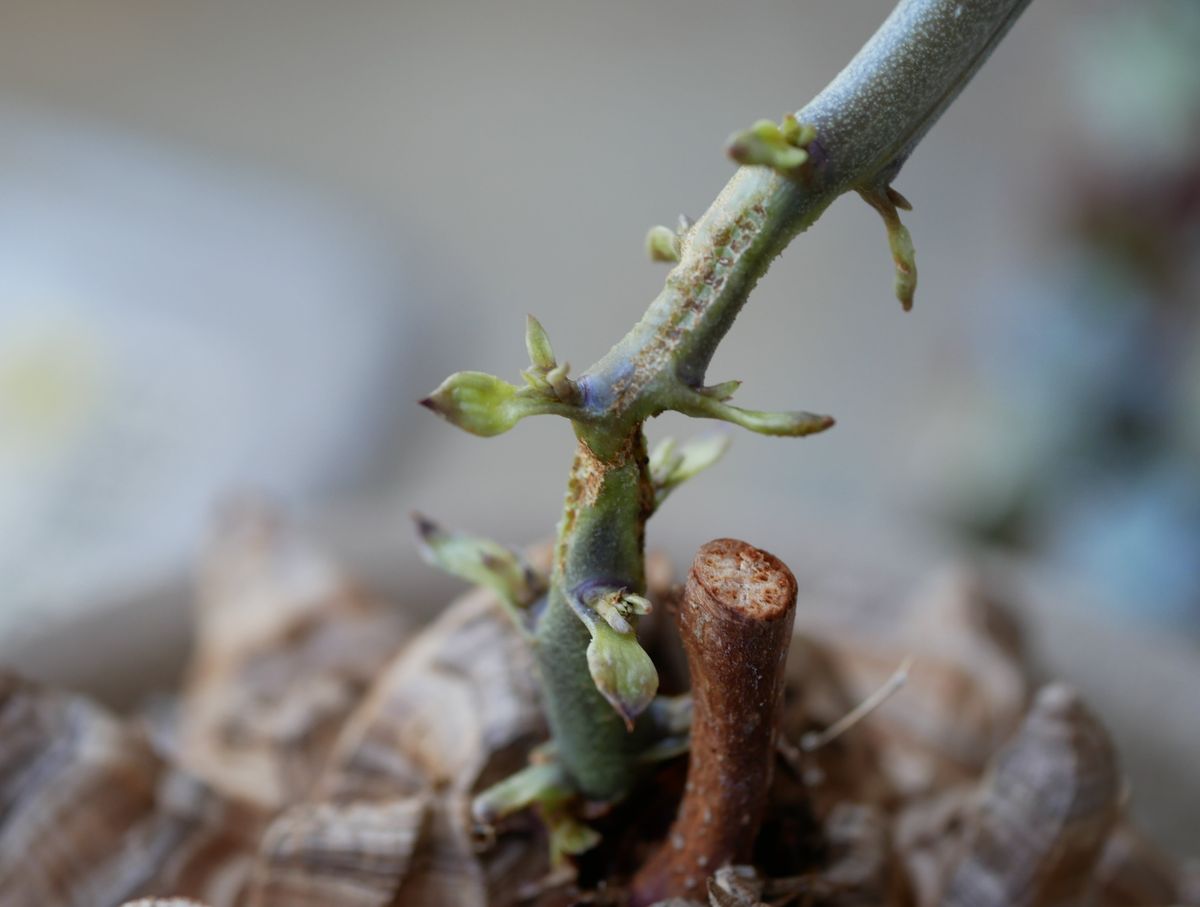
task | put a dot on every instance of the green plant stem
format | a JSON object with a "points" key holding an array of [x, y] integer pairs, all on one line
{"points": [[868, 120], [608, 493]]}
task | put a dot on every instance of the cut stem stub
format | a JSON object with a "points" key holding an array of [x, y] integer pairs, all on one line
{"points": [[735, 620]]}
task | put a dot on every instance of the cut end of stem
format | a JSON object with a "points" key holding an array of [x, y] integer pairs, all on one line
{"points": [[747, 582]]}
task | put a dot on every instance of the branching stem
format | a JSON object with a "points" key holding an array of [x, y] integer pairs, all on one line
{"points": [[854, 136], [867, 122]]}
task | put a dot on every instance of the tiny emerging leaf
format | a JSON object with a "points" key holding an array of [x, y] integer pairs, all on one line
{"points": [[794, 424], [905, 260], [481, 561], [662, 244], [569, 837], [561, 386], [537, 343], [545, 375], [771, 144], [622, 671], [796, 133], [610, 614], [615, 605], [693, 458], [534, 783], [722, 391], [485, 405], [886, 201], [545, 786], [476, 402], [664, 459]]}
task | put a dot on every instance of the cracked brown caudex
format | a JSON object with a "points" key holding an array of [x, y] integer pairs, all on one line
{"points": [[853, 136]]}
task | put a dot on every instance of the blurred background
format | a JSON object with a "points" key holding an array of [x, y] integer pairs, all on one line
{"points": [[239, 241]]}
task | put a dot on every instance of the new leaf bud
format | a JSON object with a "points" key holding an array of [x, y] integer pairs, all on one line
{"points": [[476, 402], [537, 343], [621, 670], [662, 244]]}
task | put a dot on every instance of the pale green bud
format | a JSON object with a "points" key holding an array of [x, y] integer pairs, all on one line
{"points": [[898, 200], [636, 604], [693, 458], [537, 380], [787, 424], [886, 200], [608, 607], [722, 391], [545, 375], [699, 454], [904, 258], [534, 783], [768, 144], [476, 402], [796, 133], [621, 670], [561, 386], [662, 244], [537, 343], [664, 458], [569, 837], [485, 405], [615, 607], [480, 561]]}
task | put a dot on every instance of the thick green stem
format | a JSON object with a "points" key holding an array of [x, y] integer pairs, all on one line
{"points": [[855, 135], [867, 122], [722, 257], [600, 540]]}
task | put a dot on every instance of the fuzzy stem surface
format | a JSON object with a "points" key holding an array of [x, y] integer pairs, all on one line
{"points": [[867, 122]]}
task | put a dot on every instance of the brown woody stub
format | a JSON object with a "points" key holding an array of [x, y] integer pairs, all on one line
{"points": [[735, 619]]}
